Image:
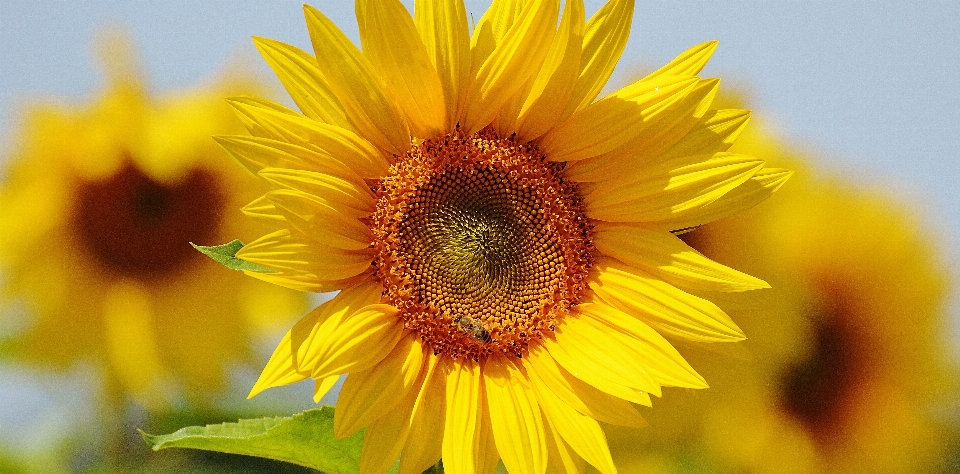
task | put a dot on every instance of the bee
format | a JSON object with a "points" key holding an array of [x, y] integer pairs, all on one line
{"points": [[472, 328]]}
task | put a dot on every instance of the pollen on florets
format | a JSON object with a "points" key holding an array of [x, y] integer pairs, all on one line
{"points": [[480, 243]]}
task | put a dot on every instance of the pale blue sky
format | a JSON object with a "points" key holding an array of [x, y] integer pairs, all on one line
{"points": [[870, 87]]}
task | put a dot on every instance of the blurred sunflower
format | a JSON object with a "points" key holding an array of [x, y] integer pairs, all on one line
{"points": [[501, 241], [99, 205], [847, 368]]}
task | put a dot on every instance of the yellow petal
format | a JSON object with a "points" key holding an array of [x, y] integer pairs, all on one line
{"points": [[131, 343], [320, 221], [268, 121], [511, 63], [715, 133], [357, 343], [392, 44], [424, 444], [492, 29], [581, 432], [242, 106], [292, 255], [688, 63], [282, 368], [256, 153], [614, 120], [648, 347], [515, 417], [546, 374], [305, 280], [354, 198], [489, 457], [661, 305], [263, 211], [368, 394], [662, 190], [583, 369], [606, 36], [666, 256], [656, 136], [299, 74], [384, 439], [560, 458], [443, 28], [594, 354], [461, 440], [322, 386], [550, 92], [754, 191], [351, 78], [289, 362]]}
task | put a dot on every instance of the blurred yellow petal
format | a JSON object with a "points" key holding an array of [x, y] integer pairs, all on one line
{"points": [[131, 340]]}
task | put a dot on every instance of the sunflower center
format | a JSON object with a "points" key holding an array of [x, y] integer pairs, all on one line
{"points": [[819, 390], [481, 244], [141, 228]]}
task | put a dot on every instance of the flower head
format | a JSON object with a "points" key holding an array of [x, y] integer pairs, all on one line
{"points": [[847, 368], [100, 204], [501, 240]]}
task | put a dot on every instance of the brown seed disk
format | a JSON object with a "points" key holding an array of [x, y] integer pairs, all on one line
{"points": [[480, 244], [140, 228]]}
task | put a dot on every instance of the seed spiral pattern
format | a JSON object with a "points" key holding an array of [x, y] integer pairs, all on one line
{"points": [[480, 244]]}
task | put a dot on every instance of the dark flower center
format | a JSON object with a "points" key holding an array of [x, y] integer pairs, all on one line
{"points": [[818, 390], [481, 244], [138, 227]]}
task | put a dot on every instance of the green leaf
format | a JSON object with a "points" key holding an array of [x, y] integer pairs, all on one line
{"points": [[226, 255], [305, 439]]}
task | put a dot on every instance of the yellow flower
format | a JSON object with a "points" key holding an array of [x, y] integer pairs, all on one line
{"points": [[99, 205], [501, 241], [847, 366]]}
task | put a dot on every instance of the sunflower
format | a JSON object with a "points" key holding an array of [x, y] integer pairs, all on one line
{"points": [[847, 368], [501, 241], [99, 205]]}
